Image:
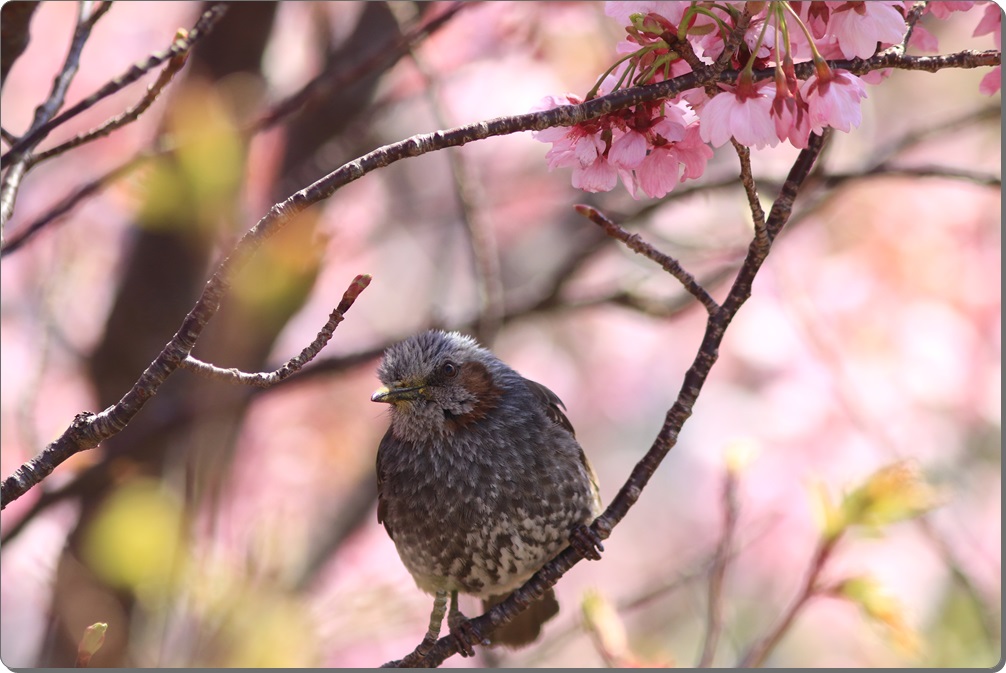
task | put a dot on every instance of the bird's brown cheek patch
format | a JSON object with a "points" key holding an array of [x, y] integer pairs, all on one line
{"points": [[477, 380]]}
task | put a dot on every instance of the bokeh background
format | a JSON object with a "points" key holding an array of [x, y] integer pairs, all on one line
{"points": [[231, 527]]}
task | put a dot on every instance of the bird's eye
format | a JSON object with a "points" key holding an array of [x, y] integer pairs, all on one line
{"points": [[449, 369]]}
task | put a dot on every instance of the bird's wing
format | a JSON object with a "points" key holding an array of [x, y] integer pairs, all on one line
{"points": [[552, 404], [382, 506], [553, 408]]}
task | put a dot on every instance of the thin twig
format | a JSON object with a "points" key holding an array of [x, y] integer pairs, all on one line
{"points": [[717, 575], [635, 243], [294, 365], [750, 188], [761, 649], [130, 115], [331, 79], [205, 23], [480, 234], [89, 429], [21, 150], [24, 234], [911, 18]]}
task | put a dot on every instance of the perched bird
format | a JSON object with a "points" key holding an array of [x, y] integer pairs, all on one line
{"points": [[480, 480]]}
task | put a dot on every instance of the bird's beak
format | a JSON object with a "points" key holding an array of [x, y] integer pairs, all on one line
{"points": [[397, 393]]}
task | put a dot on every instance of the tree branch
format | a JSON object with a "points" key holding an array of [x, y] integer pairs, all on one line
{"points": [[333, 78], [717, 574], [294, 365], [135, 72], [89, 429], [174, 65], [86, 19], [635, 243]]}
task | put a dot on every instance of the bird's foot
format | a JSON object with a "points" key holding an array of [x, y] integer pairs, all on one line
{"points": [[465, 633], [586, 542]]}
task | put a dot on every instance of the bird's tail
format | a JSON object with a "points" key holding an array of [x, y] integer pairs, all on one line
{"points": [[524, 628]]}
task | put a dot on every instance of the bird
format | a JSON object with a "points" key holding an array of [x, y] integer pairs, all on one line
{"points": [[480, 482]]}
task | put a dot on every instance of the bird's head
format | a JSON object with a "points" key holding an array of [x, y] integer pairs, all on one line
{"points": [[437, 383]]}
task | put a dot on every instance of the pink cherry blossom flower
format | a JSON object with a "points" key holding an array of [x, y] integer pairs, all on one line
{"points": [[991, 23], [859, 26], [833, 99], [628, 150], [943, 9], [599, 176], [744, 113], [992, 81], [789, 110], [693, 153], [661, 170], [923, 40], [581, 147]]}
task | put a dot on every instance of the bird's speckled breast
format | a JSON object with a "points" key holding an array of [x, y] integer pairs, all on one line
{"points": [[480, 517]]}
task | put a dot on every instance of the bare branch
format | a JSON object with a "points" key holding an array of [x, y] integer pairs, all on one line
{"points": [[24, 234], [760, 650], [635, 243], [130, 115], [750, 189], [135, 72], [717, 574], [294, 365], [333, 79], [86, 19], [481, 236]]}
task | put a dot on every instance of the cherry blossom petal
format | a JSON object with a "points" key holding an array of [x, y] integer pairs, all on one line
{"points": [[628, 150]]}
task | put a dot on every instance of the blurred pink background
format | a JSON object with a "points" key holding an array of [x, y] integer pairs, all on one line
{"points": [[873, 334]]}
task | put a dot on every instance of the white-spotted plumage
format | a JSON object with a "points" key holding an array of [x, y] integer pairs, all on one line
{"points": [[480, 479]]}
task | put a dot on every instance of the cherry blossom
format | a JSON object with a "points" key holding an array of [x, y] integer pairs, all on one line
{"points": [[859, 26], [991, 23], [744, 113], [833, 99], [656, 145]]}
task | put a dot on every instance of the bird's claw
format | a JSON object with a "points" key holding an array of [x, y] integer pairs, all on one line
{"points": [[586, 542], [466, 635]]}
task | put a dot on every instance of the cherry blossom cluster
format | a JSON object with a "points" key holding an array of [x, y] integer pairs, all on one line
{"points": [[655, 146]]}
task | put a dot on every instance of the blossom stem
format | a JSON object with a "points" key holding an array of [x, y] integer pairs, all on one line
{"points": [[806, 31], [600, 80]]}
